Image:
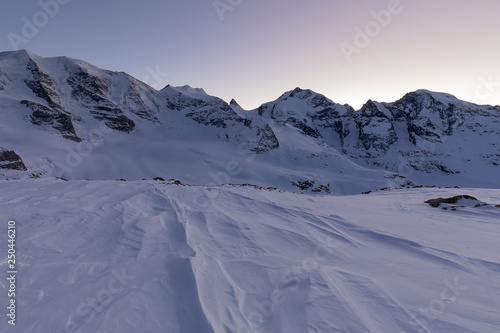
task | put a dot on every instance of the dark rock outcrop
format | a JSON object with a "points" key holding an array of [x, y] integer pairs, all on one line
{"points": [[452, 200], [10, 160], [61, 121], [91, 92], [267, 140], [52, 113], [409, 134]]}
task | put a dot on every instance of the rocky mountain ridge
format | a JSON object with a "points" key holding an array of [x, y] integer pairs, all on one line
{"points": [[423, 132], [425, 136]]}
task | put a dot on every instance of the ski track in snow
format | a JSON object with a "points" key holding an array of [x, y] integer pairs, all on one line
{"points": [[186, 259]]}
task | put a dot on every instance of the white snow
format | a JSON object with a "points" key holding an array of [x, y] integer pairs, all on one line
{"points": [[100, 255], [156, 257]]}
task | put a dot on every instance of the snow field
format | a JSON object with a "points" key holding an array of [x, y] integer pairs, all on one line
{"points": [[109, 256]]}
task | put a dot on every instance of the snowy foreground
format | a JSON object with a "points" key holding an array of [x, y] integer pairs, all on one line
{"points": [[146, 256]]}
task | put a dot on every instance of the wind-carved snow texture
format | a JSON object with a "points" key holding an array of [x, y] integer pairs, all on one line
{"points": [[146, 256], [225, 246]]}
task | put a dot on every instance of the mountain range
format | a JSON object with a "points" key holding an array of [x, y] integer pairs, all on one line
{"points": [[66, 118], [136, 210]]}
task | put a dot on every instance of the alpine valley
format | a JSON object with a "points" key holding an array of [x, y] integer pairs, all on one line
{"points": [[140, 210]]}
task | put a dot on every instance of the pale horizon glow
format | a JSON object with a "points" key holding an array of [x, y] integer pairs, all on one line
{"points": [[261, 49]]}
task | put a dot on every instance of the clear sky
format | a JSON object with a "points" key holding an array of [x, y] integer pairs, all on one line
{"points": [[254, 50]]}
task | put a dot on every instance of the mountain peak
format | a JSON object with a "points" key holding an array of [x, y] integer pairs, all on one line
{"points": [[444, 98], [16, 52], [71, 98], [23, 55], [233, 103], [301, 93], [188, 89]]}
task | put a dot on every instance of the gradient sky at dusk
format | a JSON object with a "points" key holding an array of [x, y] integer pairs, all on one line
{"points": [[257, 49]]}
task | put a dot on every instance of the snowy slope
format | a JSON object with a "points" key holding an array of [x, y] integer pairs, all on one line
{"points": [[70, 119], [145, 256], [431, 138], [229, 244], [97, 124]]}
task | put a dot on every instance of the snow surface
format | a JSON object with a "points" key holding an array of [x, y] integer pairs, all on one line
{"points": [[148, 256], [100, 255]]}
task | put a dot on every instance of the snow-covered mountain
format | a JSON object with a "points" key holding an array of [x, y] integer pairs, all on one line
{"points": [[218, 242], [432, 138], [67, 118]]}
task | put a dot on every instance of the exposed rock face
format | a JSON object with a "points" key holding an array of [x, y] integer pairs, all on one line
{"points": [[43, 115], [65, 90], [10, 160], [206, 111], [423, 132], [139, 99], [414, 131], [219, 114], [210, 111], [267, 140], [214, 114], [436, 202], [305, 185], [53, 114], [41, 85], [179, 101], [2, 81], [234, 105], [376, 130], [91, 92]]}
